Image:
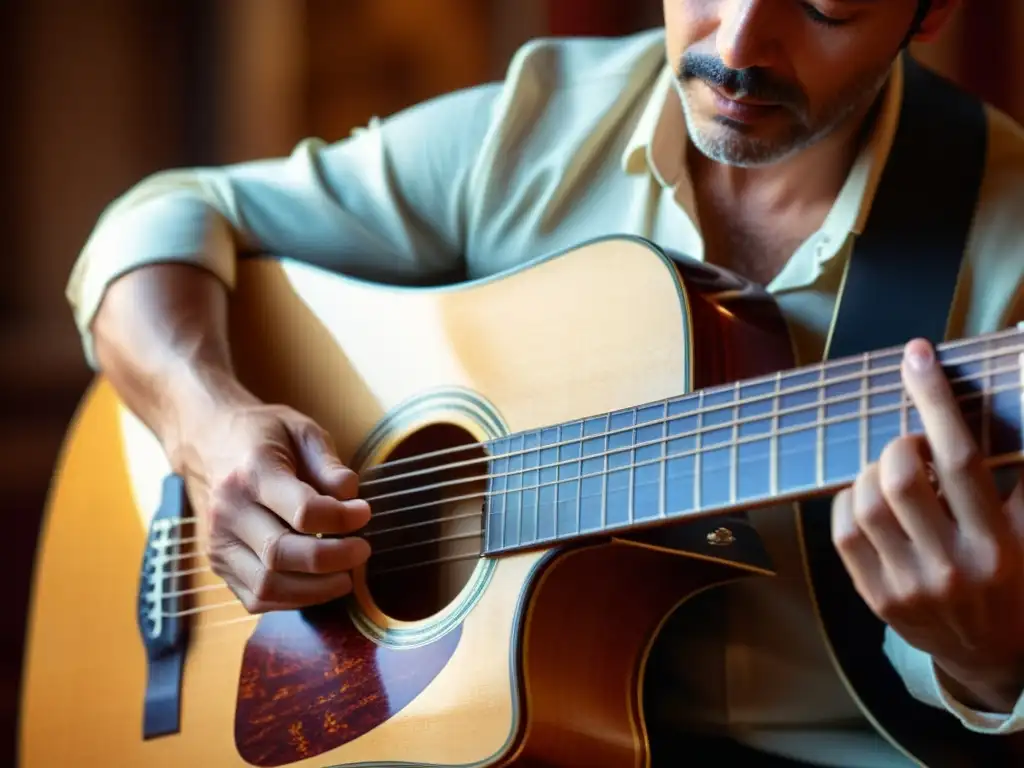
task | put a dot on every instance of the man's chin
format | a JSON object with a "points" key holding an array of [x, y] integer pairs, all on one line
{"points": [[736, 147]]}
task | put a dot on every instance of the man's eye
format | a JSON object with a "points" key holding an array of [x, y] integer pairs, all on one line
{"points": [[820, 18]]}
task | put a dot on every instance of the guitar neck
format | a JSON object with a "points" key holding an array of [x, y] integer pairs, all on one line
{"points": [[754, 443]]}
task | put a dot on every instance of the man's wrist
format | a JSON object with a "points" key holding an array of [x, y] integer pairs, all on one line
{"points": [[994, 689], [197, 393]]}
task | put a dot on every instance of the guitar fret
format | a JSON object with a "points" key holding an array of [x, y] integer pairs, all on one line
{"points": [[535, 495], [579, 496], [821, 425], [544, 471], [529, 505], [773, 478], [604, 472], [734, 451], [512, 534], [570, 477], [631, 480], [864, 406], [698, 483], [663, 469], [558, 473], [501, 518], [495, 500], [986, 402], [819, 453]]}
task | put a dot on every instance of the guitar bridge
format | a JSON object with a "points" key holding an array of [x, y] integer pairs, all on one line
{"points": [[161, 605]]}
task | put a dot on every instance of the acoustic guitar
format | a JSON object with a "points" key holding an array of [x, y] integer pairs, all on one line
{"points": [[554, 457]]}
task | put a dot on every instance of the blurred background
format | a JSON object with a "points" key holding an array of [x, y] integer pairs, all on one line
{"points": [[99, 94]]}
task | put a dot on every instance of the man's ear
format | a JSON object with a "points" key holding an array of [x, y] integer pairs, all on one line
{"points": [[934, 21]]}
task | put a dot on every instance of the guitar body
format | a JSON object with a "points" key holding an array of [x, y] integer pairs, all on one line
{"points": [[531, 659]]}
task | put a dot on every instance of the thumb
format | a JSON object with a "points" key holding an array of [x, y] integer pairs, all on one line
{"points": [[316, 451]]}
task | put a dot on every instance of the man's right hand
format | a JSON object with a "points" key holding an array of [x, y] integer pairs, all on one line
{"points": [[265, 480]]}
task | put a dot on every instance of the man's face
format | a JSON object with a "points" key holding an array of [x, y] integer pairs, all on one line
{"points": [[763, 79]]}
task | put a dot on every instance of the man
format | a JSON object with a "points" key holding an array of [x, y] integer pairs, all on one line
{"points": [[757, 147]]}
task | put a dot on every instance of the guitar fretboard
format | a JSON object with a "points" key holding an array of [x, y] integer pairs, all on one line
{"points": [[744, 445]]}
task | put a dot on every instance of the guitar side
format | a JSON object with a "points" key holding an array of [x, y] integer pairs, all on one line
{"points": [[534, 659]]}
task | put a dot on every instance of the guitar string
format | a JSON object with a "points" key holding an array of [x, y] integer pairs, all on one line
{"points": [[821, 368], [476, 515], [703, 429], [735, 424], [698, 432], [454, 558], [486, 494], [733, 404]]}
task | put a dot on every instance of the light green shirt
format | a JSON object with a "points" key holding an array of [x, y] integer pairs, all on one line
{"points": [[585, 138]]}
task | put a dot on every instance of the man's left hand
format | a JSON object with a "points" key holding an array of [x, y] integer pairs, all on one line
{"points": [[943, 566]]}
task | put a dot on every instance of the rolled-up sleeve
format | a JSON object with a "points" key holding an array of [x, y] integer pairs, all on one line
{"points": [[386, 203], [917, 669]]}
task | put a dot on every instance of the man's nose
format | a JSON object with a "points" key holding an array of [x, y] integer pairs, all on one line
{"points": [[744, 37]]}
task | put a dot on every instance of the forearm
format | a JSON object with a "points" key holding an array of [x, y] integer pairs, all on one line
{"points": [[161, 339]]}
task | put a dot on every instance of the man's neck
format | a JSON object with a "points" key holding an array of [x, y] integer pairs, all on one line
{"points": [[809, 181], [753, 219]]}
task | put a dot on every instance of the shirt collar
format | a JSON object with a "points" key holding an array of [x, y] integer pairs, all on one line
{"points": [[658, 146]]}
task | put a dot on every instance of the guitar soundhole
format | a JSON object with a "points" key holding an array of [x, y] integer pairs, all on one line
{"points": [[426, 529]]}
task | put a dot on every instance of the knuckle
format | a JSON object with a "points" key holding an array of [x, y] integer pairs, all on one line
{"points": [[305, 517], [885, 606], [239, 482], [995, 565], [253, 463], [964, 458], [270, 552], [252, 604], [217, 563], [896, 604], [847, 538], [910, 597], [262, 585], [872, 513], [899, 482], [307, 428], [898, 469], [890, 610], [219, 556], [946, 582], [220, 516]]}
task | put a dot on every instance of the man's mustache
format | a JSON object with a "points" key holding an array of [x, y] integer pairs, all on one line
{"points": [[751, 83]]}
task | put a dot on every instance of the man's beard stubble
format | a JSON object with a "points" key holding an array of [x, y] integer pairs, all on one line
{"points": [[727, 142]]}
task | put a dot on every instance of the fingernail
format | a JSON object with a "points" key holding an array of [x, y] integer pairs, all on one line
{"points": [[918, 356]]}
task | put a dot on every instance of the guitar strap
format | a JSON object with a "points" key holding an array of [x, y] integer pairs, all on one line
{"points": [[900, 284]]}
